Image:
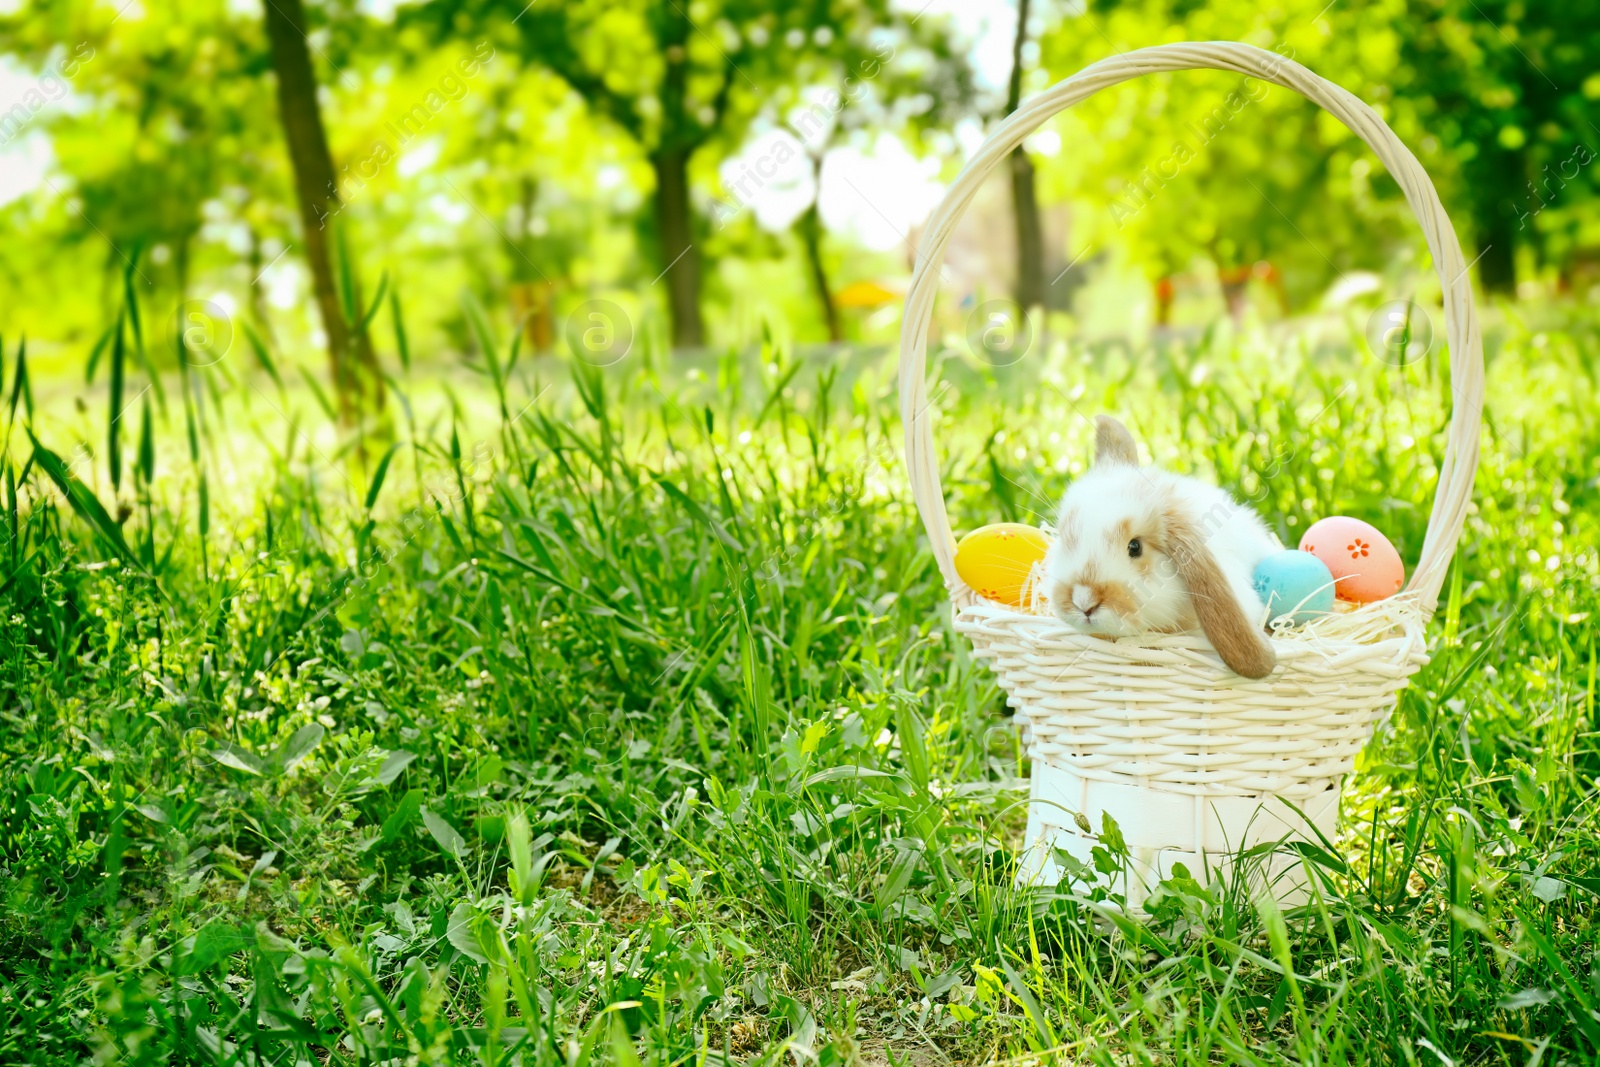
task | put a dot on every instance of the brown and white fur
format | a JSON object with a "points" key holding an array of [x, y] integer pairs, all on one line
{"points": [[1140, 550]]}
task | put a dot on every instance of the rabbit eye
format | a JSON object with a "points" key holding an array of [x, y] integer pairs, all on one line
{"points": [[1135, 549]]}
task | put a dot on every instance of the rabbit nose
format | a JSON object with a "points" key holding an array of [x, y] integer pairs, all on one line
{"points": [[1084, 599]]}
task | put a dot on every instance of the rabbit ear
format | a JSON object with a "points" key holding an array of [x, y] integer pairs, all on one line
{"points": [[1241, 645], [1113, 443]]}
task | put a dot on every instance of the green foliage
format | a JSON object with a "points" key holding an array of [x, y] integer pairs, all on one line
{"points": [[532, 175], [1509, 90], [630, 727]]}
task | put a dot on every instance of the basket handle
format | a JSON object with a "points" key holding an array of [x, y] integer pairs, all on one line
{"points": [[1454, 492]]}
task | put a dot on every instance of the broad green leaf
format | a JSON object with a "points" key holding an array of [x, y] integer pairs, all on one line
{"points": [[396, 762], [231, 755], [215, 940], [402, 816], [445, 834], [460, 932], [301, 745], [519, 843]]}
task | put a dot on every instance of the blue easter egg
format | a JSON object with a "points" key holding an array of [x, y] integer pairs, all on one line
{"points": [[1296, 584]]}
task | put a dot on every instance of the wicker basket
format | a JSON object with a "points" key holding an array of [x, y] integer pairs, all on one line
{"points": [[1193, 760]]}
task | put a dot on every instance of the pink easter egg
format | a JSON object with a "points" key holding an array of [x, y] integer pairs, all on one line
{"points": [[1364, 564]]}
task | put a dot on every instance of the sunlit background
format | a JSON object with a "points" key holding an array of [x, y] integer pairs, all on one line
{"points": [[711, 170]]}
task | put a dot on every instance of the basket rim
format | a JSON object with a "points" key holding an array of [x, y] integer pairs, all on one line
{"points": [[1458, 465], [1396, 645]]}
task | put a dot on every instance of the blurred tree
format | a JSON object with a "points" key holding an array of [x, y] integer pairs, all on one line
{"points": [[163, 144], [160, 122], [166, 112], [1510, 88], [524, 136], [1497, 97], [808, 227], [1029, 291], [908, 78], [1248, 176], [673, 82], [317, 192]]}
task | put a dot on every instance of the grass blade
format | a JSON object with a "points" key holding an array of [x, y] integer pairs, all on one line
{"points": [[319, 394], [20, 386], [84, 502], [377, 304], [263, 356], [114, 430], [378, 475], [401, 344], [97, 351]]}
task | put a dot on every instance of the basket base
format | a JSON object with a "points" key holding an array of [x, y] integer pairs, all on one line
{"points": [[1205, 833]]}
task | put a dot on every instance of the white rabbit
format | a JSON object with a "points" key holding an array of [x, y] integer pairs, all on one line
{"points": [[1138, 550]]}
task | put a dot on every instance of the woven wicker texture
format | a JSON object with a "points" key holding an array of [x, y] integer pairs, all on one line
{"points": [[1162, 711]]}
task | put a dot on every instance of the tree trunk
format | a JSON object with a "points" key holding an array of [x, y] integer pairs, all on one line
{"points": [[1495, 177], [1166, 292], [680, 262], [1496, 232], [811, 239], [1235, 282], [1024, 198], [530, 295], [1030, 242], [317, 193]]}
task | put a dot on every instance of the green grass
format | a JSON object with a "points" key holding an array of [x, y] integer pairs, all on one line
{"points": [[632, 728]]}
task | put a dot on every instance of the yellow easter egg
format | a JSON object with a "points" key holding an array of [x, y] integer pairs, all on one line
{"points": [[996, 560]]}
